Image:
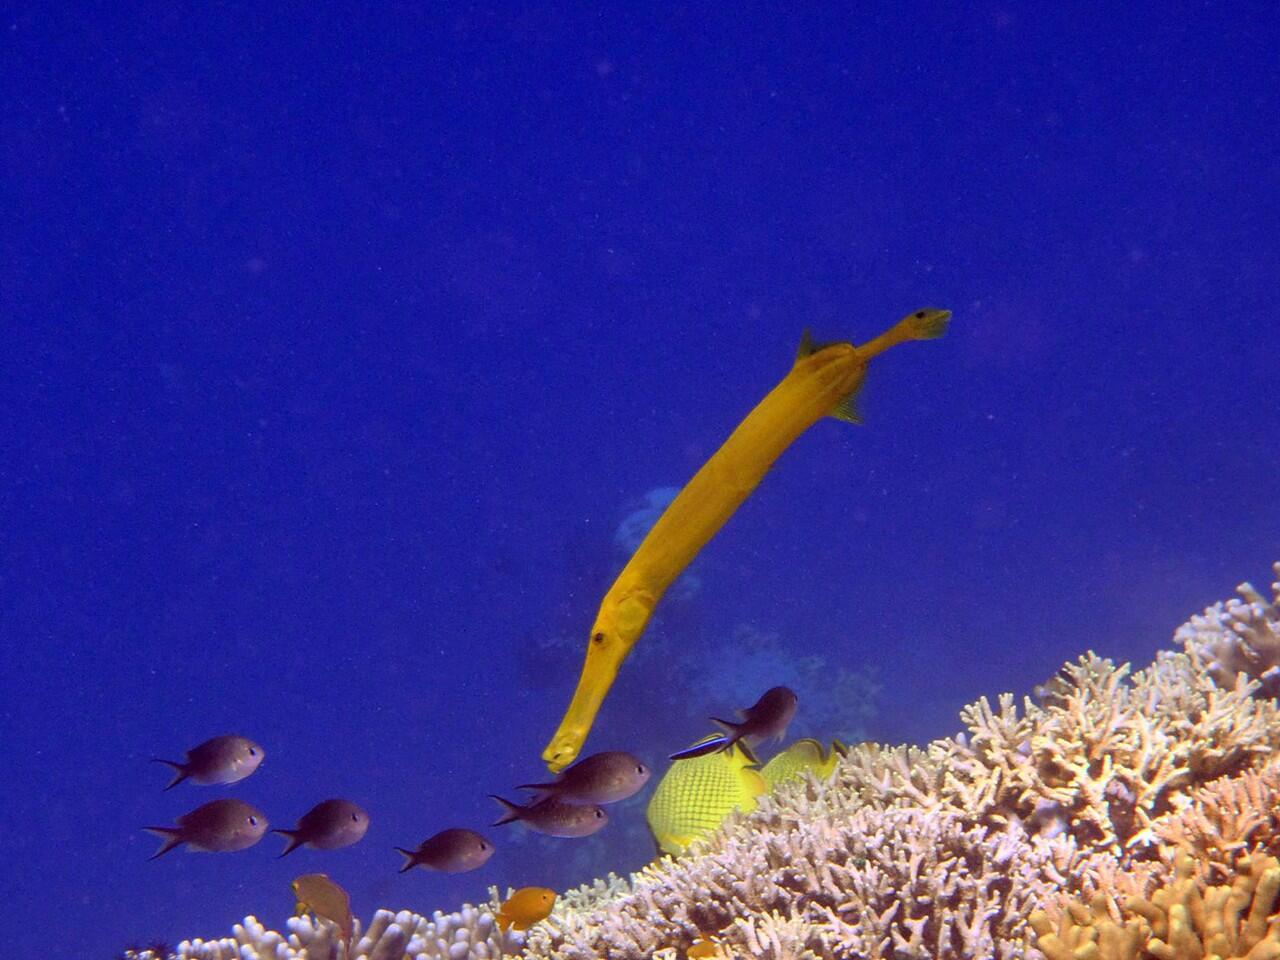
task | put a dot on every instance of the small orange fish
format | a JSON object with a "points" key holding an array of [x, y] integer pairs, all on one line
{"points": [[525, 907], [702, 949], [317, 894]]}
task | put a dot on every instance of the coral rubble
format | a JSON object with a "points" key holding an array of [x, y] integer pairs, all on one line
{"points": [[1125, 816]]}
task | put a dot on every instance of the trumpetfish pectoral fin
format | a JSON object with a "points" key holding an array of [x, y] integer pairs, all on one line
{"points": [[847, 409]]}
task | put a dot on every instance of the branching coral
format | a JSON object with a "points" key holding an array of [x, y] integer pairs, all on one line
{"points": [[1180, 921], [1149, 798], [1225, 818], [1241, 635], [470, 933]]}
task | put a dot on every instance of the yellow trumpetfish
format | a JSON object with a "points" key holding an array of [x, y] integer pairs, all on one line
{"points": [[824, 380]]}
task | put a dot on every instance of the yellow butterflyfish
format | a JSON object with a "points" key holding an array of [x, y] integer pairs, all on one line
{"points": [[824, 381], [806, 754], [695, 796]]}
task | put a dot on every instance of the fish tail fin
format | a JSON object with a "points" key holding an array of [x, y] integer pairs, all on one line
{"points": [[410, 859], [511, 811], [172, 838], [294, 841], [181, 768], [540, 790], [712, 744]]}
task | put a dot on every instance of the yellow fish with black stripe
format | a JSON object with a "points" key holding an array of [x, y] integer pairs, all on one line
{"points": [[695, 795], [806, 754]]}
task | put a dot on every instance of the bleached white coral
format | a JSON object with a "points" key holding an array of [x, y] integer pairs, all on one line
{"points": [[469, 934], [944, 851], [1241, 635]]}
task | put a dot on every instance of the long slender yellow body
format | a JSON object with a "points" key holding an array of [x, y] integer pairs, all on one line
{"points": [[817, 384]]}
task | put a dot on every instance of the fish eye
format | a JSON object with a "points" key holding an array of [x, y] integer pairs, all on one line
{"points": [[598, 638], [253, 821], [919, 314], [599, 814], [253, 751]]}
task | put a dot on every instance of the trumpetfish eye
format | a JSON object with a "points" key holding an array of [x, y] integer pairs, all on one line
{"points": [[598, 638]]}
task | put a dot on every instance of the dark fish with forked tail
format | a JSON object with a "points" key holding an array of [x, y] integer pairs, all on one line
{"points": [[455, 850], [554, 817], [600, 778], [218, 826], [767, 717], [327, 826], [225, 759]]}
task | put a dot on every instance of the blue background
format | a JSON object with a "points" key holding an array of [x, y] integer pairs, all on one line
{"points": [[337, 345]]}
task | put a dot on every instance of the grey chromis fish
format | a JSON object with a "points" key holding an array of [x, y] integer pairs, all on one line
{"points": [[225, 759], [555, 817], [327, 826], [600, 778], [767, 717], [455, 850], [218, 826]]}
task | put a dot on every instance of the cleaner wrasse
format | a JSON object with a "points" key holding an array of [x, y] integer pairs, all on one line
{"points": [[824, 381]]}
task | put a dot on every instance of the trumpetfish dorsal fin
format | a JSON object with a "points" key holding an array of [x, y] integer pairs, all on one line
{"points": [[809, 346]]}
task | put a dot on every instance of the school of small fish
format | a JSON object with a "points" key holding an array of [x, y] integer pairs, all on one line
{"points": [[708, 780]]}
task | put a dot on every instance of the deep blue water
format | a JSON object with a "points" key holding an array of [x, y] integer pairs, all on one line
{"points": [[337, 346]]}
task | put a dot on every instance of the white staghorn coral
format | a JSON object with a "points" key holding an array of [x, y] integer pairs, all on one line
{"points": [[469, 934], [1241, 635], [946, 851]]}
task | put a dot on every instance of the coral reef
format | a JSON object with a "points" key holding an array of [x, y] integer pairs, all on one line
{"points": [[469, 933], [1180, 921], [1241, 635], [1125, 816]]}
